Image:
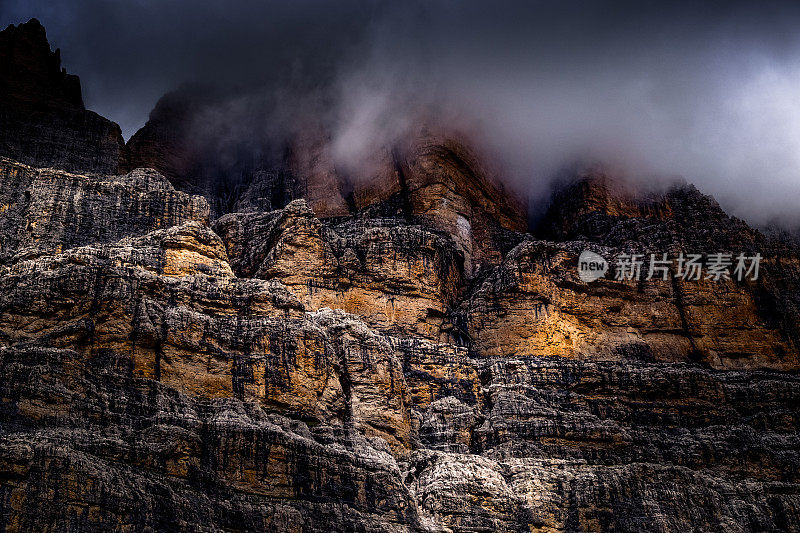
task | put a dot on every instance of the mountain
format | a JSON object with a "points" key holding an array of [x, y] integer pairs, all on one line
{"points": [[392, 354], [41, 109], [435, 177]]}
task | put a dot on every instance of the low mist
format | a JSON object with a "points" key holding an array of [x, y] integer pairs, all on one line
{"points": [[709, 93]]}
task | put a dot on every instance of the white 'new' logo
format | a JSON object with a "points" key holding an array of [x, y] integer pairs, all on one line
{"points": [[591, 266]]}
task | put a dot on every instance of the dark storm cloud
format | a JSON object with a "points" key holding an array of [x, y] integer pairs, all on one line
{"points": [[710, 91], [128, 54]]}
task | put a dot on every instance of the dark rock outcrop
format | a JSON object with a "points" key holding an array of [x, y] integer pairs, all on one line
{"points": [[598, 208], [44, 121]]}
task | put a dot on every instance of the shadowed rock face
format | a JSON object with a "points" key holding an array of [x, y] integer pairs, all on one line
{"points": [[185, 140], [415, 363], [601, 209], [44, 120]]}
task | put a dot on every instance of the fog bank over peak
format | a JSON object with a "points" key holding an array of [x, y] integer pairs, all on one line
{"points": [[704, 92]]}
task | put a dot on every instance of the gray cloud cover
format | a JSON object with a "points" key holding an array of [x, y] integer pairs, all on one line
{"points": [[710, 92]]}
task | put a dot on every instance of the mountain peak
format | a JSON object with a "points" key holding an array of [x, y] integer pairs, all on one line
{"points": [[31, 73], [45, 121]]}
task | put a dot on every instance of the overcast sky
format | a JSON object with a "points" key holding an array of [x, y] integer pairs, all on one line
{"points": [[710, 92]]}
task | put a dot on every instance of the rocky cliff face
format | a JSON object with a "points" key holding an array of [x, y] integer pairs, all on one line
{"points": [[417, 362], [44, 120], [277, 371]]}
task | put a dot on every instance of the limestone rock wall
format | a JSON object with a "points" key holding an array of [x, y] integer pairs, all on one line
{"points": [[203, 333]]}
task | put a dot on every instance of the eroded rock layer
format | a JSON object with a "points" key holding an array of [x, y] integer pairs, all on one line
{"points": [[46, 210]]}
